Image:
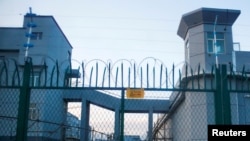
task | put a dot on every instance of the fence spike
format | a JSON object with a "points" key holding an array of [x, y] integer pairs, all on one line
{"points": [[141, 77], [154, 77], [204, 78], [173, 76], [70, 71], [212, 77], [116, 76], [122, 74], [186, 73], [129, 77], [109, 74], [134, 75], [166, 78], [180, 85], [147, 76], [161, 75], [83, 74], [96, 78], [16, 72], [198, 76], [57, 74], [192, 77], [103, 77], [4, 69], [52, 75], [77, 77], [90, 79]]}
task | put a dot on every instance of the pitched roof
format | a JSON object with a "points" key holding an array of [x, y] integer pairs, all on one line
{"points": [[39, 16]]}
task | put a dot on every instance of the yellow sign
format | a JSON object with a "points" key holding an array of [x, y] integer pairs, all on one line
{"points": [[135, 93]]}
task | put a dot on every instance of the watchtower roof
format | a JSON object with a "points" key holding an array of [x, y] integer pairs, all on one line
{"points": [[206, 16]]}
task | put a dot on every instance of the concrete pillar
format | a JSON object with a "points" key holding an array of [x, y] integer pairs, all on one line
{"points": [[117, 124], [150, 124], [85, 129]]}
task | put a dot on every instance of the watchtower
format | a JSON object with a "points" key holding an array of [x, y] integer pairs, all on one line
{"points": [[207, 33]]}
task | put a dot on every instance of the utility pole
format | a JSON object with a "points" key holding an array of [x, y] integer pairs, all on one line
{"points": [[24, 96], [215, 43]]}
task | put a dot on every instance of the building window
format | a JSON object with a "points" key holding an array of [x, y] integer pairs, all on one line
{"points": [[220, 42], [34, 79], [36, 36]]}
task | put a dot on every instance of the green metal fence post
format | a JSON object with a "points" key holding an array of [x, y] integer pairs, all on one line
{"points": [[23, 107], [218, 98], [225, 95], [122, 115], [222, 97]]}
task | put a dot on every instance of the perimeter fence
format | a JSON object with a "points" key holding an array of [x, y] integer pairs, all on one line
{"points": [[60, 103]]}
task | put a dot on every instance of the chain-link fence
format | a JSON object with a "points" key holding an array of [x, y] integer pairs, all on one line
{"points": [[49, 116], [50, 107], [57, 114], [9, 98]]}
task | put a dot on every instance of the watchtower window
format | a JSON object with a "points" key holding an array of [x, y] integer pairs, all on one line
{"points": [[214, 42], [34, 79]]}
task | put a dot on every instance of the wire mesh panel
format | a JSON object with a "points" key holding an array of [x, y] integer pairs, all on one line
{"points": [[189, 119], [9, 98], [122, 104], [135, 126], [73, 118], [101, 123], [47, 114], [57, 114]]}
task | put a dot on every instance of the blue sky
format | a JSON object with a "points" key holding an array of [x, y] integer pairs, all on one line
{"points": [[118, 29]]}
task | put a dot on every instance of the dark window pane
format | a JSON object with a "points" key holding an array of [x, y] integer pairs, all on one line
{"points": [[210, 35], [36, 35], [219, 36], [210, 46], [220, 46]]}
